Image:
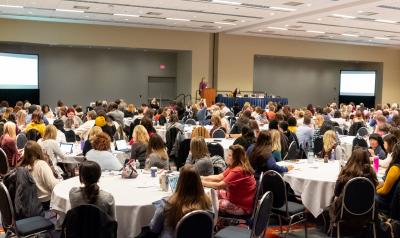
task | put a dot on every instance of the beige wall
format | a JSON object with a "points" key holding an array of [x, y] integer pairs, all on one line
{"points": [[236, 59], [112, 36]]}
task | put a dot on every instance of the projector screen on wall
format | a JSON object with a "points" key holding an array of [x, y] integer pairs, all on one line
{"points": [[18, 71], [357, 83]]}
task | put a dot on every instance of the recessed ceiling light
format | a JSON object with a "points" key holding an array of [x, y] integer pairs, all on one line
{"points": [[319, 19], [351, 35], [318, 32], [283, 9], [12, 6], [277, 28], [309, 5], [286, 25], [225, 23], [226, 2], [343, 16], [386, 21], [177, 19], [68, 10], [126, 19], [243, 21], [125, 15], [381, 38], [360, 11]]}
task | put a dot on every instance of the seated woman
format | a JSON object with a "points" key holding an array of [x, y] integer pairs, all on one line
{"points": [[148, 124], [200, 131], [357, 166], [388, 143], [166, 111], [36, 123], [199, 157], [156, 153], [260, 155], [47, 112], [71, 115], [140, 139], [246, 138], [45, 180], [276, 144], [174, 122], [386, 189], [188, 196], [101, 153], [376, 144], [331, 148], [68, 131], [216, 123], [93, 132], [236, 185], [50, 145], [59, 124], [90, 193], [106, 124], [9, 145]]}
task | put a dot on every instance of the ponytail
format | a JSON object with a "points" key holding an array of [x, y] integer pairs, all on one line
{"points": [[91, 192]]}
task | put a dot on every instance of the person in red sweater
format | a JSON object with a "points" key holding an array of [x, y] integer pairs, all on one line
{"points": [[236, 185], [9, 145]]}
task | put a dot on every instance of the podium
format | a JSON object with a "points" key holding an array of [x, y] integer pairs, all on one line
{"points": [[209, 94]]}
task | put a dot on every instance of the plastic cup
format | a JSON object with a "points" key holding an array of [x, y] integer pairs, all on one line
{"points": [[153, 171]]}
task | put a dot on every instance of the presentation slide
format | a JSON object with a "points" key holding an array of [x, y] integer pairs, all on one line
{"points": [[357, 83], [18, 71]]}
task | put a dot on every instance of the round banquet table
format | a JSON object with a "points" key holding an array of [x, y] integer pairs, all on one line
{"points": [[133, 199], [314, 182]]}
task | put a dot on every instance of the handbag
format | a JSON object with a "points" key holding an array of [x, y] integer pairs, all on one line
{"points": [[129, 170], [389, 227]]}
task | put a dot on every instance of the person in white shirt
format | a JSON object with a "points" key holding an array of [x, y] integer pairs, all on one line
{"points": [[305, 133], [50, 146], [101, 153], [388, 142], [83, 130]]}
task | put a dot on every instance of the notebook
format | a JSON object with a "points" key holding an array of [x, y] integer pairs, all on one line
{"points": [[66, 148]]}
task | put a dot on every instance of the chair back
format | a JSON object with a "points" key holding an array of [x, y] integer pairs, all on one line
{"points": [[219, 133], [88, 221], [195, 224], [33, 134], [339, 130], [170, 137], [272, 181], [190, 122], [362, 131], [229, 114], [21, 141], [262, 214], [4, 167], [318, 145], [6, 208], [215, 204], [183, 152], [215, 149], [232, 121], [292, 152], [358, 197]]}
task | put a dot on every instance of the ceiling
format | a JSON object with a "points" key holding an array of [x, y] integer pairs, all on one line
{"points": [[371, 22]]}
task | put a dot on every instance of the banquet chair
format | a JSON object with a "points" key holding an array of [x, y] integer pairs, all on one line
{"points": [[4, 167], [183, 152], [195, 224], [218, 134], [362, 131], [229, 114], [88, 221], [318, 145], [293, 152], [358, 202], [190, 121], [259, 226], [27, 227], [215, 149], [339, 130], [21, 140], [282, 208]]}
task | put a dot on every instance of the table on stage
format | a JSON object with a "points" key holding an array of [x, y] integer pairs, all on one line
{"points": [[261, 102]]}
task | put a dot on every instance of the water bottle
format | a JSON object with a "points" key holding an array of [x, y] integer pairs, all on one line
{"points": [[310, 156], [332, 157], [376, 164]]}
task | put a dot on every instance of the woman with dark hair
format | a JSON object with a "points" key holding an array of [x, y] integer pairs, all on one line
{"points": [[148, 124], [260, 155], [101, 153], [358, 165], [375, 146], [388, 143], [47, 112], [188, 196], [156, 153], [236, 185], [311, 109], [90, 193], [385, 190], [246, 138], [45, 180], [36, 123], [174, 122]]}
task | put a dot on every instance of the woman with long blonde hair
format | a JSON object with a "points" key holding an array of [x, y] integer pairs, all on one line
{"points": [[140, 139], [50, 146], [236, 185], [276, 146], [188, 196], [331, 147], [21, 119], [200, 131], [9, 145]]}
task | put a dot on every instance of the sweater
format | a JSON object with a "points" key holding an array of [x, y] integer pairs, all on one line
{"points": [[203, 165], [52, 148], [105, 159], [391, 178], [138, 152], [9, 146], [83, 130], [40, 127], [155, 160], [44, 178]]}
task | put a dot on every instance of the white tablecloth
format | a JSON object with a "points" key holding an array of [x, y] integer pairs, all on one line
{"points": [[315, 182], [133, 199]]}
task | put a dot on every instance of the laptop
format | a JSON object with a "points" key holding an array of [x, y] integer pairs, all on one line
{"points": [[122, 146], [66, 148]]}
